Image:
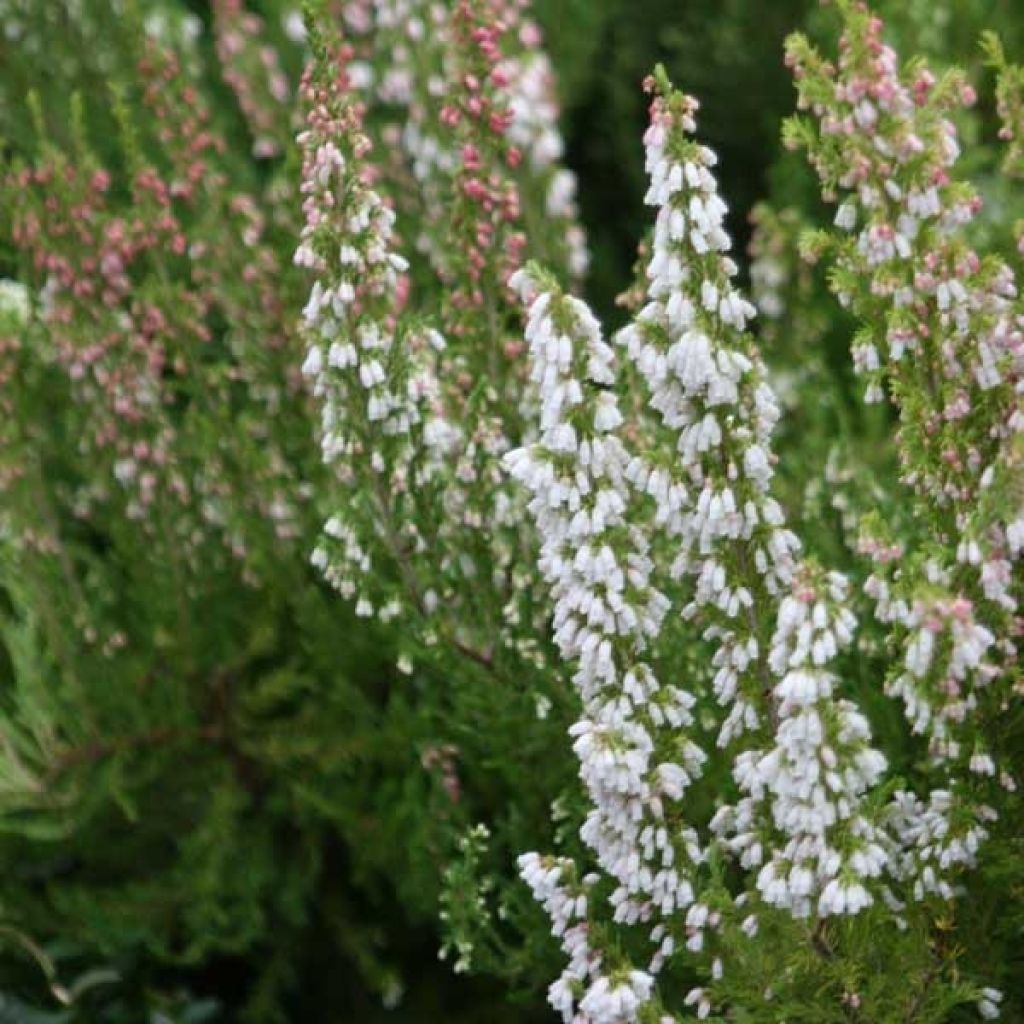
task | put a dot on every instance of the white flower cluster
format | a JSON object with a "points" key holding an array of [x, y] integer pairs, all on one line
{"points": [[14, 300], [989, 1003], [344, 339], [179, 32], [931, 838], [944, 662], [428, 516], [769, 276], [712, 396], [821, 765], [708, 385], [381, 403], [567, 906], [634, 759], [974, 341], [945, 666], [931, 309], [410, 72]]}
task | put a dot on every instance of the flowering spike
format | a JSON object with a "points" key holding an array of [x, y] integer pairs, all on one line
{"points": [[707, 384], [635, 759], [941, 331], [375, 380]]}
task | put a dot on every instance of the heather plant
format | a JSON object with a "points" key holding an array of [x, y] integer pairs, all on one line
{"points": [[329, 510]]}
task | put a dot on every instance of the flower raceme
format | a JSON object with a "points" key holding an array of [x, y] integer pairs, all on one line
{"points": [[942, 335], [371, 426], [634, 760], [467, 96], [708, 388]]}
